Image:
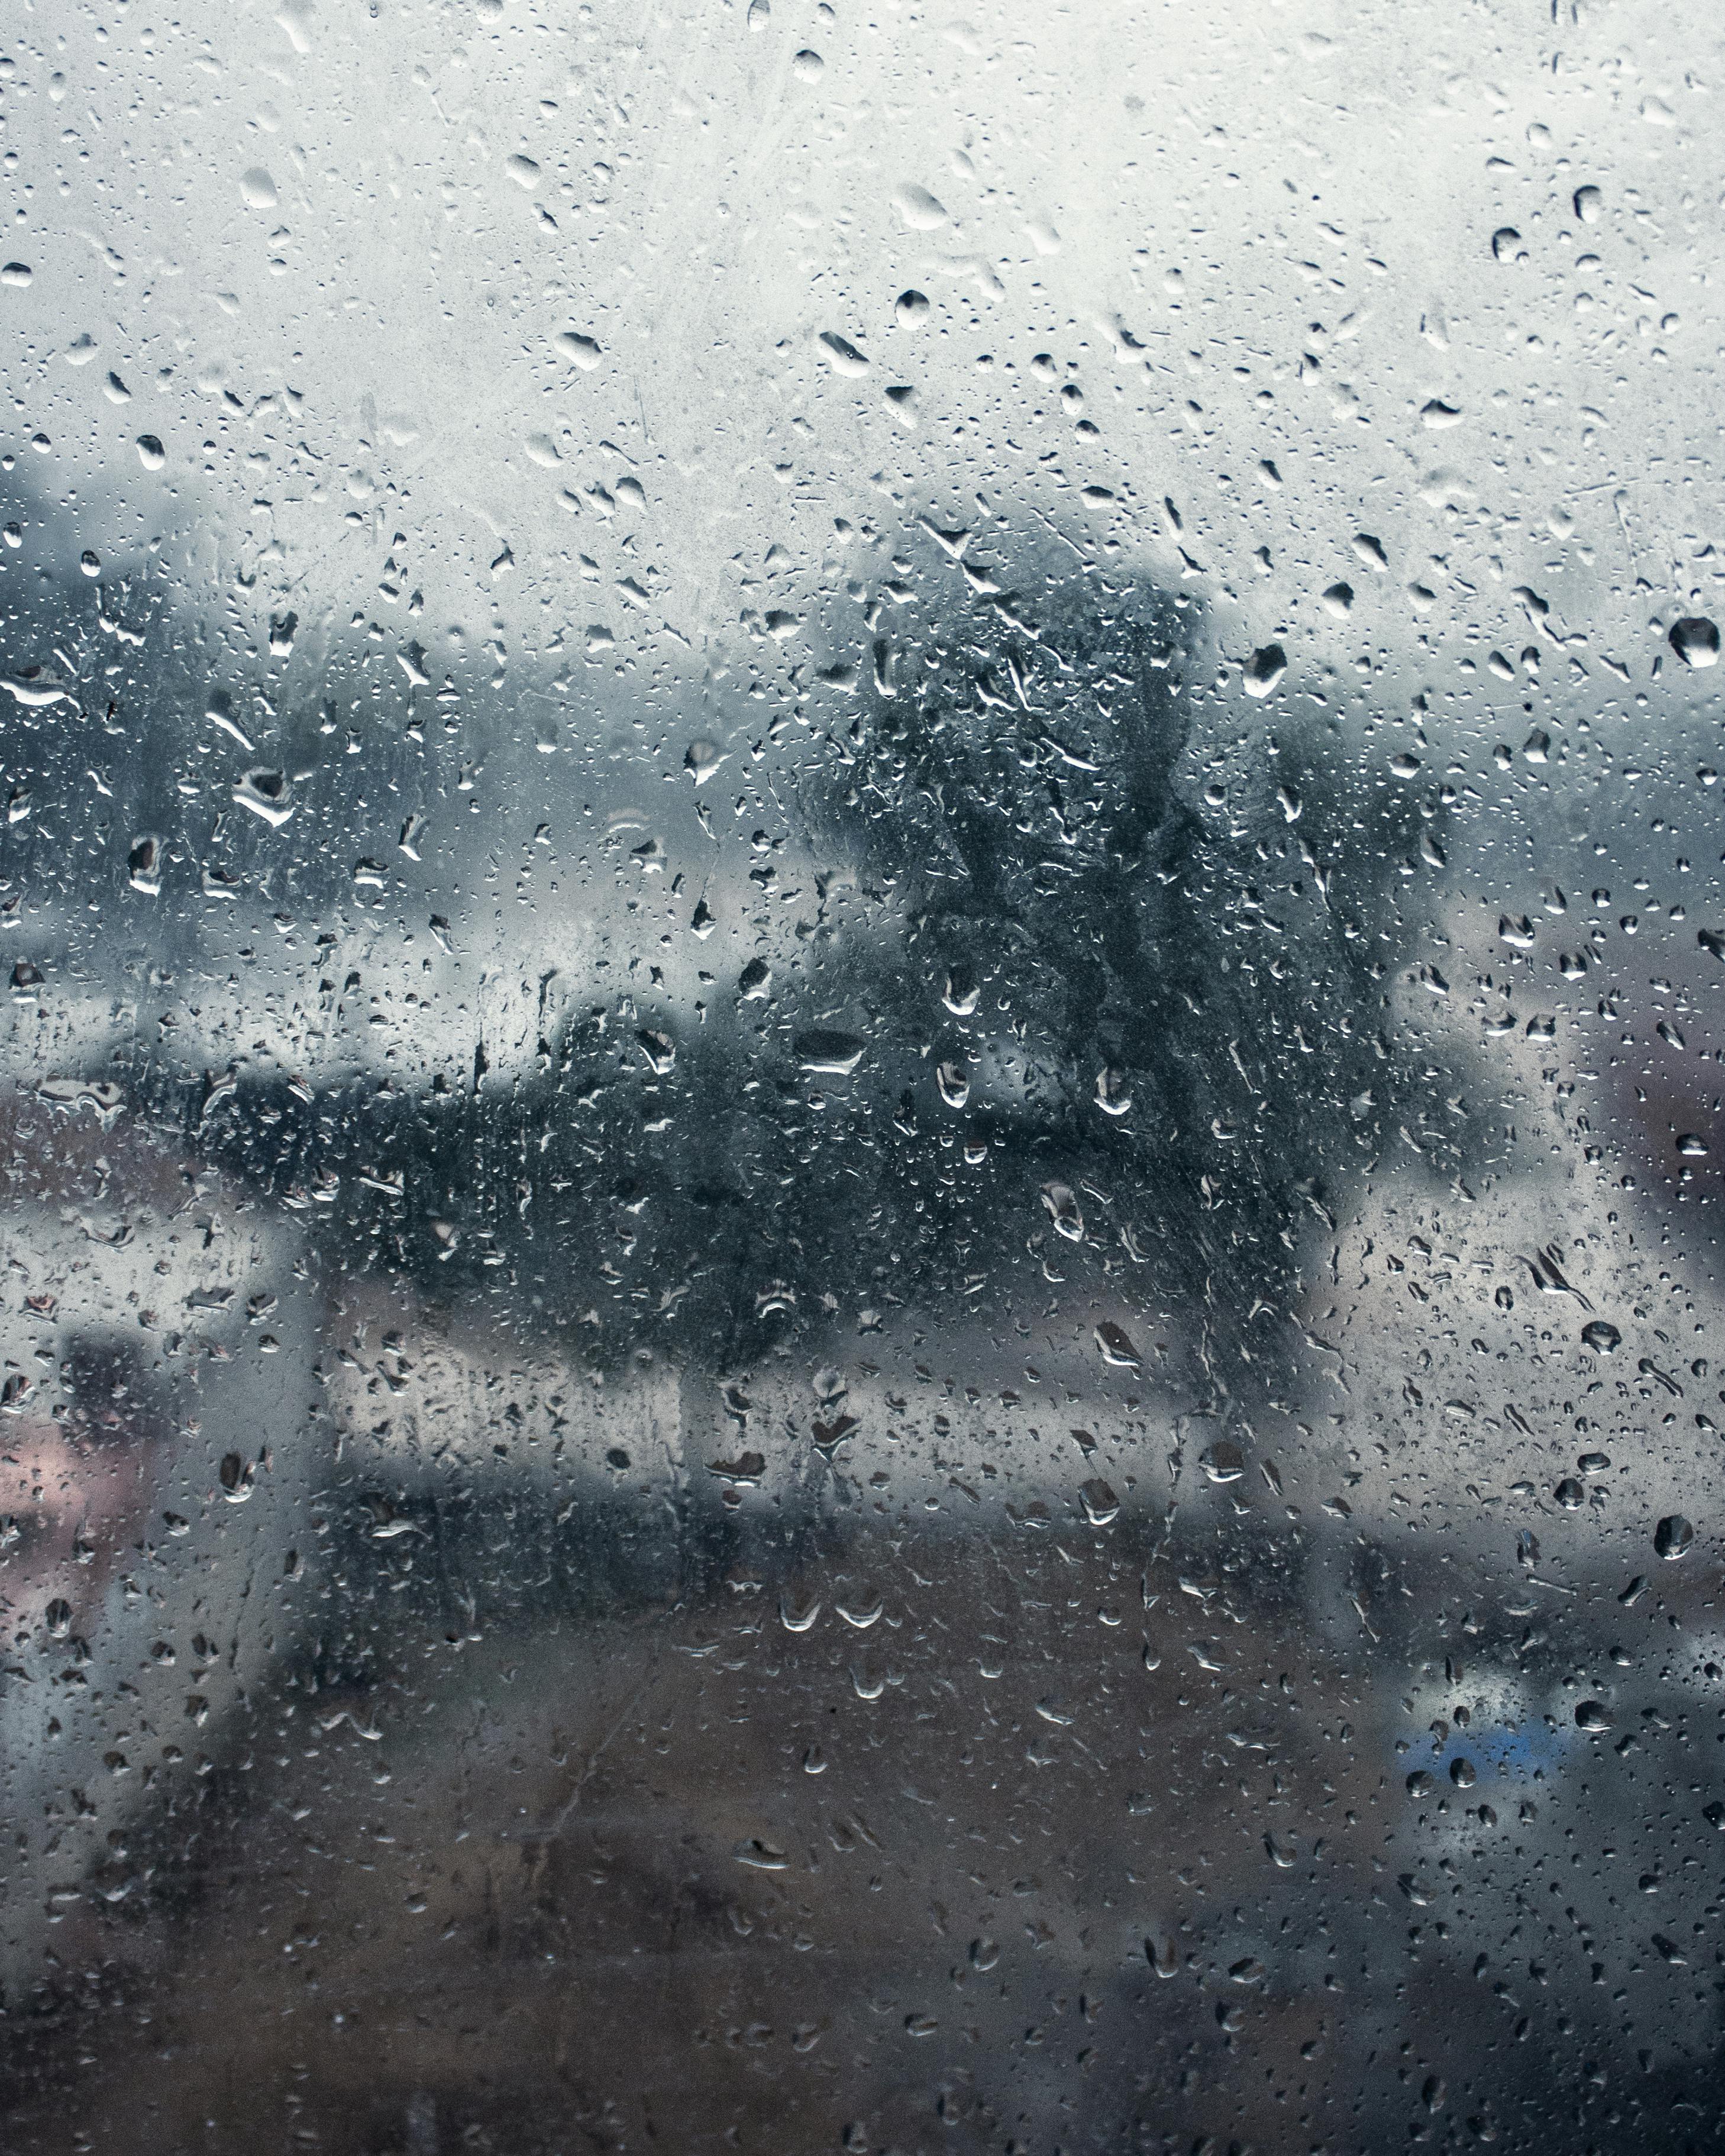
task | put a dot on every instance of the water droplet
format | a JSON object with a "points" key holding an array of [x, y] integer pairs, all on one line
{"points": [[1265, 669], [701, 759], [265, 792], [1100, 1504], [910, 308], [953, 1079], [1602, 1336], [836, 1055], [150, 453], [1672, 1536], [1116, 1347], [921, 211], [1588, 204], [760, 1856], [842, 355], [807, 65], [1063, 1209], [1112, 1097], [582, 352], [1506, 245], [143, 866], [256, 189], [1695, 641], [1593, 1717]]}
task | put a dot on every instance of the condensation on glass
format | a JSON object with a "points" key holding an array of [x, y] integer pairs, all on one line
{"points": [[861, 891]]}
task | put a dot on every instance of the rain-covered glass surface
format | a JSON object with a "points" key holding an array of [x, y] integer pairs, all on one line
{"points": [[862, 893]]}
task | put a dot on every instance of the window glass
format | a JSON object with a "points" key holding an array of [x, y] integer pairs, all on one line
{"points": [[862, 901]]}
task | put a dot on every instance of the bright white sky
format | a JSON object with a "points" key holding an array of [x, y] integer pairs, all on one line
{"points": [[256, 197]]}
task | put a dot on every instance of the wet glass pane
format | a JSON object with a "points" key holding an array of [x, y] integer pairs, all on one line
{"points": [[862, 889]]}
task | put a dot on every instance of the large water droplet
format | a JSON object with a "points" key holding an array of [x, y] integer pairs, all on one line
{"points": [[921, 211], [837, 1055], [265, 792], [1673, 1536], [1116, 1347], [1063, 1209], [1695, 641]]}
